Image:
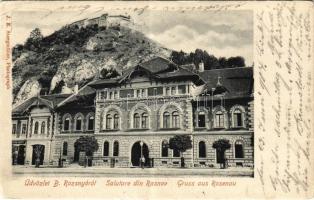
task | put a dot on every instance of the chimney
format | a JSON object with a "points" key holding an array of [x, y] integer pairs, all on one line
{"points": [[75, 89], [201, 67]]}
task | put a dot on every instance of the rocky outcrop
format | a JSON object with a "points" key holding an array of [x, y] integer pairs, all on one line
{"points": [[29, 89], [66, 56]]}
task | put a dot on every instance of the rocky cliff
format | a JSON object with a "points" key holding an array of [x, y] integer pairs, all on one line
{"points": [[75, 55]]}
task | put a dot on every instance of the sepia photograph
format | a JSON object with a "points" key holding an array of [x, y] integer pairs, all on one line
{"points": [[157, 100]]}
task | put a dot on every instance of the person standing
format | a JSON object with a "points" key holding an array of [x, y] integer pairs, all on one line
{"points": [[142, 162]]}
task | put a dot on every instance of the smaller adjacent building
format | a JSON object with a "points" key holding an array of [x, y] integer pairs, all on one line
{"points": [[33, 129]]}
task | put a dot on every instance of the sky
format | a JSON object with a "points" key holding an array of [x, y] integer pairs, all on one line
{"points": [[222, 33]]}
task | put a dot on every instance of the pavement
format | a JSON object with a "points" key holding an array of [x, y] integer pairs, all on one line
{"points": [[127, 172]]}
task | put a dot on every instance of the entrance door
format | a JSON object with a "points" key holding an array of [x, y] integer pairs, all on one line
{"points": [[136, 154], [76, 155], [21, 155], [220, 156], [38, 152]]}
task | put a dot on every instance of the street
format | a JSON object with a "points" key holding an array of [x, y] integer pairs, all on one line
{"points": [[127, 172]]}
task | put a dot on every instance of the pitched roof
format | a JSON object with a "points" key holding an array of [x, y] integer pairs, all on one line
{"points": [[158, 68], [237, 81], [50, 101], [84, 97], [157, 65]]}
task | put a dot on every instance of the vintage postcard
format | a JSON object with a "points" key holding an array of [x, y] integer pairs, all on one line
{"points": [[161, 100]]}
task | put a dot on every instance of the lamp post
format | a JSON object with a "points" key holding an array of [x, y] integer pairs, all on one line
{"points": [[141, 159], [141, 144]]}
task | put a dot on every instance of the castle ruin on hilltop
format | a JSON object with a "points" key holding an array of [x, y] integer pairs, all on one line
{"points": [[105, 20]]}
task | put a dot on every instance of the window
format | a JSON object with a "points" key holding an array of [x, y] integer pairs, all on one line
{"points": [[126, 93], [106, 148], [65, 149], [201, 149], [219, 119], [78, 122], [155, 91], [237, 117], [116, 148], [138, 93], [116, 121], [103, 95], [110, 95], [164, 148], [91, 123], [144, 120], [108, 121], [143, 93], [66, 125], [201, 119], [238, 148], [176, 153], [136, 120], [168, 91], [23, 129], [166, 121], [181, 89], [175, 119], [14, 129], [116, 96], [43, 128], [173, 90], [36, 128]]}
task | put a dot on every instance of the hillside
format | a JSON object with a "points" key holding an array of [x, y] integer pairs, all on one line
{"points": [[76, 55]]}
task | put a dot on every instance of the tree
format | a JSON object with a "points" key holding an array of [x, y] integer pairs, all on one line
{"points": [[223, 62], [210, 61], [221, 146], [87, 144], [180, 143], [34, 40], [237, 61]]}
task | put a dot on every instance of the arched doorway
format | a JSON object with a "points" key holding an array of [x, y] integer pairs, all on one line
{"points": [[38, 152], [21, 155], [76, 154], [136, 154]]}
